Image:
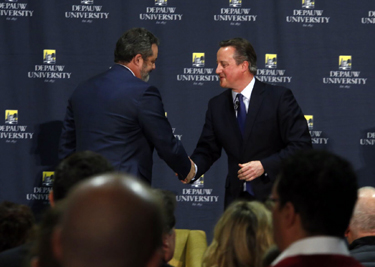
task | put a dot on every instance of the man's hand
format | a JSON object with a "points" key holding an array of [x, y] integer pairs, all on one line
{"points": [[191, 174], [250, 170]]}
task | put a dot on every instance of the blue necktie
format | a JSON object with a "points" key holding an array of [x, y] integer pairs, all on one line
{"points": [[241, 119], [241, 113]]}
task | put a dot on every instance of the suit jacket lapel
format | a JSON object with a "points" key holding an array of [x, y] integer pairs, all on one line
{"points": [[255, 103]]}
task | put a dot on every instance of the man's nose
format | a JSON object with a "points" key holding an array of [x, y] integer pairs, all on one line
{"points": [[218, 69]]}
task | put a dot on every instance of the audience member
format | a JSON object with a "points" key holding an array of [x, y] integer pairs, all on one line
{"points": [[16, 224], [41, 253], [76, 167], [70, 171], [361, 230], [16, 231], [241, 237], [168, 200], [314, 199], [110, 220]]}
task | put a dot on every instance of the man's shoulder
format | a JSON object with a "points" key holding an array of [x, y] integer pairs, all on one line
{"points": [[222, 96], [270, 88], [316, 260], [114, 78], [364, 253]]}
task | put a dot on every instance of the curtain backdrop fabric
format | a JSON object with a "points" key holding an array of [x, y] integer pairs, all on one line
{"points": [[322, 50]]}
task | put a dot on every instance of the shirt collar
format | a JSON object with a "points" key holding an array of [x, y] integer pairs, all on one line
{"points": [[314, 245], [127, 68], [245, 92]]}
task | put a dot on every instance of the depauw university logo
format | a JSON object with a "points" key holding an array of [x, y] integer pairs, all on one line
{"points": [[47, 179], [310, 121], [308, 4], [160, 2], [199, 183], [271, 61], [198, 59], [11, 116], [87, 2], [235, 3], [345, 62], [49, 56]]}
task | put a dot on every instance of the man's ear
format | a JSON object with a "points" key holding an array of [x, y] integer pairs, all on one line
{"points": [[165, 244], [245, 65], [289, 215], [138, 60], [347, 232], [51, 199], [56, 244], [350, 235]]}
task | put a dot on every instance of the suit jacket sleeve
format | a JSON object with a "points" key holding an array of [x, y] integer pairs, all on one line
{"points": [[67, 144], [293, 132], [158, 131], [208, 149]]}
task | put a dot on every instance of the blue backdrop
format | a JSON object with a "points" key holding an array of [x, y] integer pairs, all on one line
{"points": [[322, 50]]}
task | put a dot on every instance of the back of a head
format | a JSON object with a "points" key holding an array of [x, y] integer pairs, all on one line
{"points": [[241, 236], [16, 224], [42, 250], [322, 188], [75, 168], [363, 219], [168, 201], [111, 220], [133, 42]]}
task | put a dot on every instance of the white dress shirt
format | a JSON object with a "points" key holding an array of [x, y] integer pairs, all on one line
{"points": [[246, 95], [314, 245]]}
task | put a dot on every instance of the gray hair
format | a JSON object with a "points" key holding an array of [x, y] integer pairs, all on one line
{"points": [[133, 42], [363, 219]]}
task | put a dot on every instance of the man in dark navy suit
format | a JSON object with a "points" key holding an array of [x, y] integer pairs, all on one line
{"points": [[257, 125], [119, 115]]}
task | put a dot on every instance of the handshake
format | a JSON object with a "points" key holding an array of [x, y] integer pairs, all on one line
{"points": [[190, 175]]}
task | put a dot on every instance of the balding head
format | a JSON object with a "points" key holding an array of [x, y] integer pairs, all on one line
{"points": [[363, 219], [110, 220]]}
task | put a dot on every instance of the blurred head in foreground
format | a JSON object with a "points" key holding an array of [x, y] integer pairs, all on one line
{"points": [[110, 220]]}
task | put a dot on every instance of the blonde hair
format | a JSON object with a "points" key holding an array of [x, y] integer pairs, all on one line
{"points": [[241, 236]]}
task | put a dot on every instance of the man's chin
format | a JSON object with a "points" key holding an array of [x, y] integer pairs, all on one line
{"points": [[146, 78], [222, 84]]}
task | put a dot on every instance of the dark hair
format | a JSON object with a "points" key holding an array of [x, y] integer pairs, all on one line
{"points": [[322, 188], [16, 224], [244, 52], [133, 42], [168, 201], [75, 168], [42, 247]]}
